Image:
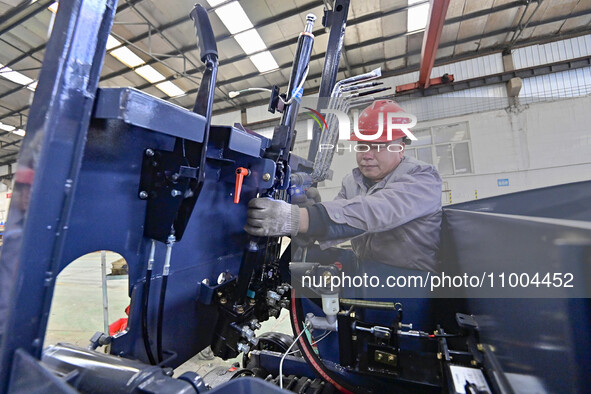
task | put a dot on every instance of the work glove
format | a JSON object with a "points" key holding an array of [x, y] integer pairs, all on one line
{"points": [[311, 197], [272, 218]]}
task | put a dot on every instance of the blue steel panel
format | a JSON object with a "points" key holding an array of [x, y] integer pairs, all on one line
{"points": [[141, 109], [529, 334], [569, 201], [107, 214]]}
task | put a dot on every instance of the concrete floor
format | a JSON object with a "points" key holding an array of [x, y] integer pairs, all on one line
{"points": [[77, 310]]}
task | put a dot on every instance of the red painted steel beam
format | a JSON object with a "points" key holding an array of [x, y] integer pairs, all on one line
{"points": [[435, 22], [409, 87]]}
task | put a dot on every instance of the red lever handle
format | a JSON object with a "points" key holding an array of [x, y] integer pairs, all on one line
{"points": [[241, 172]]}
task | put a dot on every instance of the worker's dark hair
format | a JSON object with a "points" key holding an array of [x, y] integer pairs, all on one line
{"points": [[406, 140]]}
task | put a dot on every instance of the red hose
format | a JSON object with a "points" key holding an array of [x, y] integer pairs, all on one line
{"points": [[308, 355]]}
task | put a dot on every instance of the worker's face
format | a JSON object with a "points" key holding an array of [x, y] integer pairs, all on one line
{"points": [[376, 161]]}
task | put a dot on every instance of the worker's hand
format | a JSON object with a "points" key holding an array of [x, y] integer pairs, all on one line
{"points": [[269, 218], [312, 197]]}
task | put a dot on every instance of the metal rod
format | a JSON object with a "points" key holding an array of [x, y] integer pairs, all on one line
{"points": [[105, 297]]}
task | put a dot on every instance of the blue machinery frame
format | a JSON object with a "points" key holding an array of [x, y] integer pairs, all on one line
{"points": [[85, 147]]}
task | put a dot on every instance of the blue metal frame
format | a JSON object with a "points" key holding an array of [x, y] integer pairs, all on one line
{"points": [[52, 148], [84, 196]]}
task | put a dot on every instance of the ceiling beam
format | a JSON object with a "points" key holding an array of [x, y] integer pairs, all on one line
{"points": [[438, 62], [318, 32], [431, 39], [41, 47], [21, 13]]}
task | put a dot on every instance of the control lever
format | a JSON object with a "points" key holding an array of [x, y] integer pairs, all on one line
{"points": [[241, 172]]}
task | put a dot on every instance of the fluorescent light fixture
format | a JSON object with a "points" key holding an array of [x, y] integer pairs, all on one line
{"points": [[6, 127], [127, 57], [250, 41], [112, 42], [236, 21], [149, 74], [14, 76], [20, 132], [53, 7], [264, 61], [417, 16], [170, 89], [233, 17]]}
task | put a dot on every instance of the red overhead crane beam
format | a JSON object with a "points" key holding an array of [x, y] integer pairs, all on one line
{"points": [[432, 35]]}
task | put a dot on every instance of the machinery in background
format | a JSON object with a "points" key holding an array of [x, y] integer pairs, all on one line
{"points": [[117, 169]]}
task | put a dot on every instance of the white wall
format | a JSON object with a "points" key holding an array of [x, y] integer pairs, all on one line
{"points": [[532, 146]]}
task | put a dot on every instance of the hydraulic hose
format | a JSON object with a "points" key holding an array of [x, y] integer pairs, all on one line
{"points": [[165, 271]]}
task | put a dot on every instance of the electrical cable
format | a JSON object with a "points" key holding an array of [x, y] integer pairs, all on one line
{"points": [[310, 356], [304, 76], [145, 300], [286, 353]]}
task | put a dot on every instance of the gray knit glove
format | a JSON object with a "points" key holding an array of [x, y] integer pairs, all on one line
{"points": [[270, 218]]}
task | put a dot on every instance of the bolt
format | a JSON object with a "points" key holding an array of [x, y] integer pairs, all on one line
{"points": [[255, 325], [252, 301], [480, 347], [175, 176], [352, 315], [223, 301], [439, 356], [391, 357], [149, 152], [175, 193], [205, 281], [266, 176], [243, 348], [474, 362], [379, 356], [143, 194], [220, 294], [353, 337], [240, 309]]}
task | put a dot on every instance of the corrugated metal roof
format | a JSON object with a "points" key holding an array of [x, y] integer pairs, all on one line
{"points": [[162, 34]]}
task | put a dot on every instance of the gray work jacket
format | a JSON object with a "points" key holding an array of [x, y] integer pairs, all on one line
{"points": [[401, 215]]}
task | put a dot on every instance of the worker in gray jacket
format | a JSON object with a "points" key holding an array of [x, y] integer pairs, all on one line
{"points": [[390, 206], [390, 209]]}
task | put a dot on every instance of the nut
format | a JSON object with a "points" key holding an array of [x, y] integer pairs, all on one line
{"points": [[266, 176], [223, 301]]}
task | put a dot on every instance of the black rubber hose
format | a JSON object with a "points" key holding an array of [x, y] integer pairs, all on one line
{"points": [[297, 316], [161, 318], [145, 333]]}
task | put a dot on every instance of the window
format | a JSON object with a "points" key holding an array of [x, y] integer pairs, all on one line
{"points": [[445, 146]]}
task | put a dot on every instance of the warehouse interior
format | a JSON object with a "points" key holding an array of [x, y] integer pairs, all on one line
{"points": [[501, 90]]}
